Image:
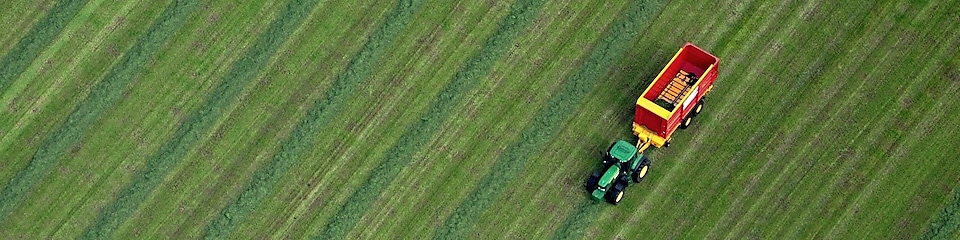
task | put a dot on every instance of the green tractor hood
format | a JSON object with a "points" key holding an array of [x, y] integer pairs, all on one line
{"points": [[606, 181]]}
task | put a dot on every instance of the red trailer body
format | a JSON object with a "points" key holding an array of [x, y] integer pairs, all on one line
{"points": [[681, 84]]}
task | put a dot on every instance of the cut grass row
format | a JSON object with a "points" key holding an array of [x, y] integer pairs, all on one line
{"points": [[33, 92], [196, 57], [854, 181], [520, 16], [437, 42], [202, 119], [17, 18], [187, 198], [812, 69], [455, 158], [287, 211], [317, 117], [42, 33], [852, 184], [102, 96]]}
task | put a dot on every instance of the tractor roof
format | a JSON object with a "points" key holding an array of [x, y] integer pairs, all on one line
{"points": [[623, 150]]}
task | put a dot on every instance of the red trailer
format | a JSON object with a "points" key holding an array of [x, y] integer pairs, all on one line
{"points": [[675, 97]]}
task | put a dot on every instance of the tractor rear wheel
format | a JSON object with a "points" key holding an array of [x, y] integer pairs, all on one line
{"points": [[615, 194], [686, 122], [592, 181], [641, 171]]}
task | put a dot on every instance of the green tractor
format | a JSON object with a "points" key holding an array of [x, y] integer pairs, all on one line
{"points": [[623, 163]]}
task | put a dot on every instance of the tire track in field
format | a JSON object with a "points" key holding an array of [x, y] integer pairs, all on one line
{"points": [[385, 109], [413, 174], [794, 162], [194, 216], [418, 134], [889, 114], [428, 51], [40, 36], [304, 135], [884, 173], [881, 33], [848, 166], [203, 118], [56, 87], [793, 133], [538, 133], [102, 96]]}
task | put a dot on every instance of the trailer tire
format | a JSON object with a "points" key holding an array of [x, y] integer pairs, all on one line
{"points": [[686, 122], [697, 109], [592, 181], [641, 172]]}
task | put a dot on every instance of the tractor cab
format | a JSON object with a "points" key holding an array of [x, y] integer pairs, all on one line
{"points": [[620, 152]]}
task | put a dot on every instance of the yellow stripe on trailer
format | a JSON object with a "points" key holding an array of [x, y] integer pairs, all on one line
{"points": [[647, 137]]}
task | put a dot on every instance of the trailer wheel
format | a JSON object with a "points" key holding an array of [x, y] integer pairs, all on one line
{"points": [[698, 108], [592, 181], [616, 193], [686, 122], [642, 170]]}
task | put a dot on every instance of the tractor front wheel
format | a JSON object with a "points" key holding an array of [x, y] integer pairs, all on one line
{"points": [[615, 194], [592, 181]]}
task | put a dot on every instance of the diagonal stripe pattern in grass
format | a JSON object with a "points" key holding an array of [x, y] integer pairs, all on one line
{"points": [[520, 16], [199, 121], [101, 98], [317, 117], [40, 36], [536, 135]]}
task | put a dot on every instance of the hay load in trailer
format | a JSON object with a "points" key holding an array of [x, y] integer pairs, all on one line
{"points": [[671, 101]]}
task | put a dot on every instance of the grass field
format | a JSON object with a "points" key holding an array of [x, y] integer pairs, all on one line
{"points": [[442, 119]]}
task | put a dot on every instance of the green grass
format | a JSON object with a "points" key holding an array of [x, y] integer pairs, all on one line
{"points": [[438, 119], [39, 37], [318, 116], [439, 110], [198, 122], [101, 97], [538, 133]]}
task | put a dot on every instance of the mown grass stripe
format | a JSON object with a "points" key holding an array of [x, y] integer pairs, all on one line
{"points": [[203, 118], [574, 225], [521, 15], [101, 97], [537, 134], [306, 132], [40, 36]]}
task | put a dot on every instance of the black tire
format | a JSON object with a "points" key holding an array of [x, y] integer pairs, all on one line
{"points": [[641, 172], [686, 122], [697, 109], [592, 182], [615, 194]]}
